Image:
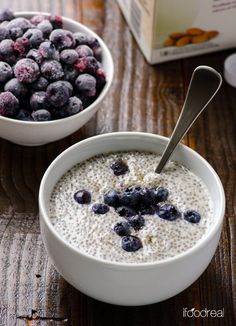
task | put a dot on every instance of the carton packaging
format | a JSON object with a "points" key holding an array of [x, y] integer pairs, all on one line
{"points": [[172, 29]]}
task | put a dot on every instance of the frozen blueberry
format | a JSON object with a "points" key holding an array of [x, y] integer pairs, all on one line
{"points": [[100, 208], [52, 70], [80, 38], [38, 101], [16, 87], [137, 221], [21, 22], [111, 198], [100, 77], [131, 243], [45, 27], [35, 36], [9, 104], [87, 65], [56, 21], [69, 56], [82, 197], [73, 106], [35, 20], [40, 84], [23, 115], [119, 167], [4, 33], [126, 211], [84, 51], [192, 216], [122, 228], [85, 99], [62, 39], [70, 73], [7, 51], [161, 194], [5, 72], [168, 212], [6, 14], [86, 84], [16, 32], [48, 51], [26, 70], [59, 93], [97, 53], [22, 45], [35, 55], [41, 115]]}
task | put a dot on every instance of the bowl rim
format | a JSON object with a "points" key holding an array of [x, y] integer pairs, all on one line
{"points": [[106, 53], [198, 246]]}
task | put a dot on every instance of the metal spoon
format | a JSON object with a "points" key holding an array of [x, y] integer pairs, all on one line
{"points": [[204, 84]]}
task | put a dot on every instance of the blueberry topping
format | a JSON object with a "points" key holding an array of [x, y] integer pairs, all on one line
{"points": [[161, 194], [41, 115], [125, 211], [111, 198], [119, 167], [131, 243], [168, 212], [130, 197], [82, 197], [146, 197], [150, 210], [100, 208], [137, 221], [122, 228], [192, 216]]}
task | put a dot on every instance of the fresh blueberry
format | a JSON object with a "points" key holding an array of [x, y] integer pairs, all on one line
{"points": [[41, 115], [26, 70], [21, 22], [62, 39], [69, 56], [48, 51], [84, 51], [4, 33], [35, 36], [6, 14], [7, 51], [125, 211], [35, 20], [22, 45], [59, 93], [146, 197], [35, 55], [15, 87], [131, 243], [86, 84], [122, 228], [73, 106], [56, 21], [23, 115], [150, 210], [168, 212], [111, 198], [5, 72], [39, 101], [119, 167], [137, 221], [45, 27], [15, 33], [100, 208], [52, 70], [9, 104], [82, 197], [70, 73], [192, 216], [161, 194], [87, 65], [40, 84], [130, 197]]}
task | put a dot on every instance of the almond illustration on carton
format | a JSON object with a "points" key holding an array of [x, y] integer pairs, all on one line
{"points": [[211, 34], [169, 42], [176, 36], [183, 41], [199, 38], [194, 31]]}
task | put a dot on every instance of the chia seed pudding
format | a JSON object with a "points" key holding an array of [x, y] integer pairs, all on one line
{"points": [[114, 207]]}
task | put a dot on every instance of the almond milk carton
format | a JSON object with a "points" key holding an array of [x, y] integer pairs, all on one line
{"points": [[171, 29]]}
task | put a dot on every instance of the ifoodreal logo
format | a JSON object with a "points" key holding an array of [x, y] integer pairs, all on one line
{"points": [[190, 313]]}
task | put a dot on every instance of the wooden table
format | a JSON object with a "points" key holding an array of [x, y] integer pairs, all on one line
{"points": [[142, 98]]}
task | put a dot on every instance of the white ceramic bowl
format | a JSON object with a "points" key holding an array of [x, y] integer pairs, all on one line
{"points": [[121, 283], [38, 133]]}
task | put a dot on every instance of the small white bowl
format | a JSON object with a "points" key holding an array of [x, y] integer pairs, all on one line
{"points": [[121, 283], [38, 133]]}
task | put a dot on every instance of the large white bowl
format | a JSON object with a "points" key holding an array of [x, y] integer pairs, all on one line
{"points": [[121, 283], [38, 133]]}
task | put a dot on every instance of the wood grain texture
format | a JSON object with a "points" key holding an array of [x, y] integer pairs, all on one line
{"points": [[142, 98]]}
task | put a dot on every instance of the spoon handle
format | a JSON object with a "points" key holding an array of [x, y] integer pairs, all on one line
{"points": [[203, 86]]}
